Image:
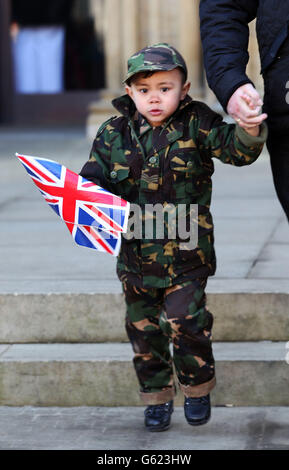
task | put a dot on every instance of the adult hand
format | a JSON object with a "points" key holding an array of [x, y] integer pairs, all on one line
{"points": [[245, 106]]}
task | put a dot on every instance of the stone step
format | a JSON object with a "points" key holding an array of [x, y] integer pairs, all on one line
{"points": [[248, 374], [99, 317]]}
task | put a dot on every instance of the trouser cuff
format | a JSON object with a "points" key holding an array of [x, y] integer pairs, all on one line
{"points": [[158, 398], [200, 390]]}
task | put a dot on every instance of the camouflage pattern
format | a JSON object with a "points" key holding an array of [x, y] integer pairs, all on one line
{"points": [[167, 164], [178, 314], [164, 284], [159, 57]]}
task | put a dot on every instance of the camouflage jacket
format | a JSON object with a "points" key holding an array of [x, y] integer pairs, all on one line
{"points": [[170, 164]]}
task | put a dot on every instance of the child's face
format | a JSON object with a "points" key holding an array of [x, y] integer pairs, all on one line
{"points": [[158, 96]]}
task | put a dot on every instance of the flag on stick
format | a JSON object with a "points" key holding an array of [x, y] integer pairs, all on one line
{"points": [[94, 216]]}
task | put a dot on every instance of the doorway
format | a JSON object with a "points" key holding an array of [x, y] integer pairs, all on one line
{"points": [[82, 65]]}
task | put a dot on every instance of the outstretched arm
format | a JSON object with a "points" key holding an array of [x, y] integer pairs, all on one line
{"points": [[229, 143]]}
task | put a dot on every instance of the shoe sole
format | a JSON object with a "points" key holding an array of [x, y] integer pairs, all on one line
{"points": [[199, 422], [156, 429]]}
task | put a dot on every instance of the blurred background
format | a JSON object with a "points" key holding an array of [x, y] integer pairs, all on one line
{"points": [[62, 61]]}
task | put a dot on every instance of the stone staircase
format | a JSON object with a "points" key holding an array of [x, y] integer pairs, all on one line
{"points": [[62, 337], [71, 350]]}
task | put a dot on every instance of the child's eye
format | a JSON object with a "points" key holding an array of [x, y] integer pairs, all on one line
{"points": [[143, 90], [165, 89]]}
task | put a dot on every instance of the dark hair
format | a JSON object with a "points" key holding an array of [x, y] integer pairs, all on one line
{"points": [[151, 72]]}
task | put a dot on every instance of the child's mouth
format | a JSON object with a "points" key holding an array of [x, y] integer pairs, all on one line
{"points": [[155, 112]]}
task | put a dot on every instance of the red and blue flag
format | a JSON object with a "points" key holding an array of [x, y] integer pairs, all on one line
{"points": [[94, 216]]}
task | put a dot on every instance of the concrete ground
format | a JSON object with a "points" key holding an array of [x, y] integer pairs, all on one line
{"points": [[38, 256], [119, 428]]}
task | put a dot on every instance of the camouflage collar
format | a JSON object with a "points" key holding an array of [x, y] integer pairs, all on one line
{"points": [[125, 105], [141, 125]]}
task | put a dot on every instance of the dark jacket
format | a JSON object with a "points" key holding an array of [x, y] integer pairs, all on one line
{"points": [[225, 33], [165, 165], [39, 13]]}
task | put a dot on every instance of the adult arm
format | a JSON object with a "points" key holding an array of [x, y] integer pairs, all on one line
{"points": [[225, 36]]}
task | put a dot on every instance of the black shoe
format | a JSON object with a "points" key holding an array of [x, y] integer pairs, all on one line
{"points": [[197, 410], [158, 417]]}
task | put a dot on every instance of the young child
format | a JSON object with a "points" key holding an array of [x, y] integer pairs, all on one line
{"points": [[160, 151]]}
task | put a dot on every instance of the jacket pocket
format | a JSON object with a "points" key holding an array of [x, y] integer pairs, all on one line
{"points": [[119, 172], [185, 166], [120, 179], [185, 160]]}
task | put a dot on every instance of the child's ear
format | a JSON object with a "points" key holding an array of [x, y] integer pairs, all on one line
{"points": [[185, 90], [128, 90]]}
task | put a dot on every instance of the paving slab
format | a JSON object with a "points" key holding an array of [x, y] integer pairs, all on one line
{"points": [[122, 428], [273, 262]]}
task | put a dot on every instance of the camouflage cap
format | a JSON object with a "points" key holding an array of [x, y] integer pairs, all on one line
{"points": [[157, 57]]}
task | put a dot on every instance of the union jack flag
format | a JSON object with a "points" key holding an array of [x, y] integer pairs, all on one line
{"points": [[94, 217]]}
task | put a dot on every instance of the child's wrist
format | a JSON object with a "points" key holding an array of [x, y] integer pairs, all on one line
{"points": [[254, 131]]}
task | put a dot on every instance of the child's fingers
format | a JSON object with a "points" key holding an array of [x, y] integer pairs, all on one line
{"points": [[252, 122], [245, 112]]}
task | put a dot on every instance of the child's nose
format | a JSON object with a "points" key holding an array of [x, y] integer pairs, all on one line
{"points": [[154, 97]]}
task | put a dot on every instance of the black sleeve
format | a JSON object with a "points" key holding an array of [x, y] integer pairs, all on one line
{"points": [[225, 36], [35, 12]]}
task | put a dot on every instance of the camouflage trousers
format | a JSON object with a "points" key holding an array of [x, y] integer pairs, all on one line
{"points": [[157, 317]]}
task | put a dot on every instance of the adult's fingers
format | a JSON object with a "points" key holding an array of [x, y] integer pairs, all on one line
{"points": [[252, 93], [245, 105], [251, 102], [245, 111], [254, 121]]}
